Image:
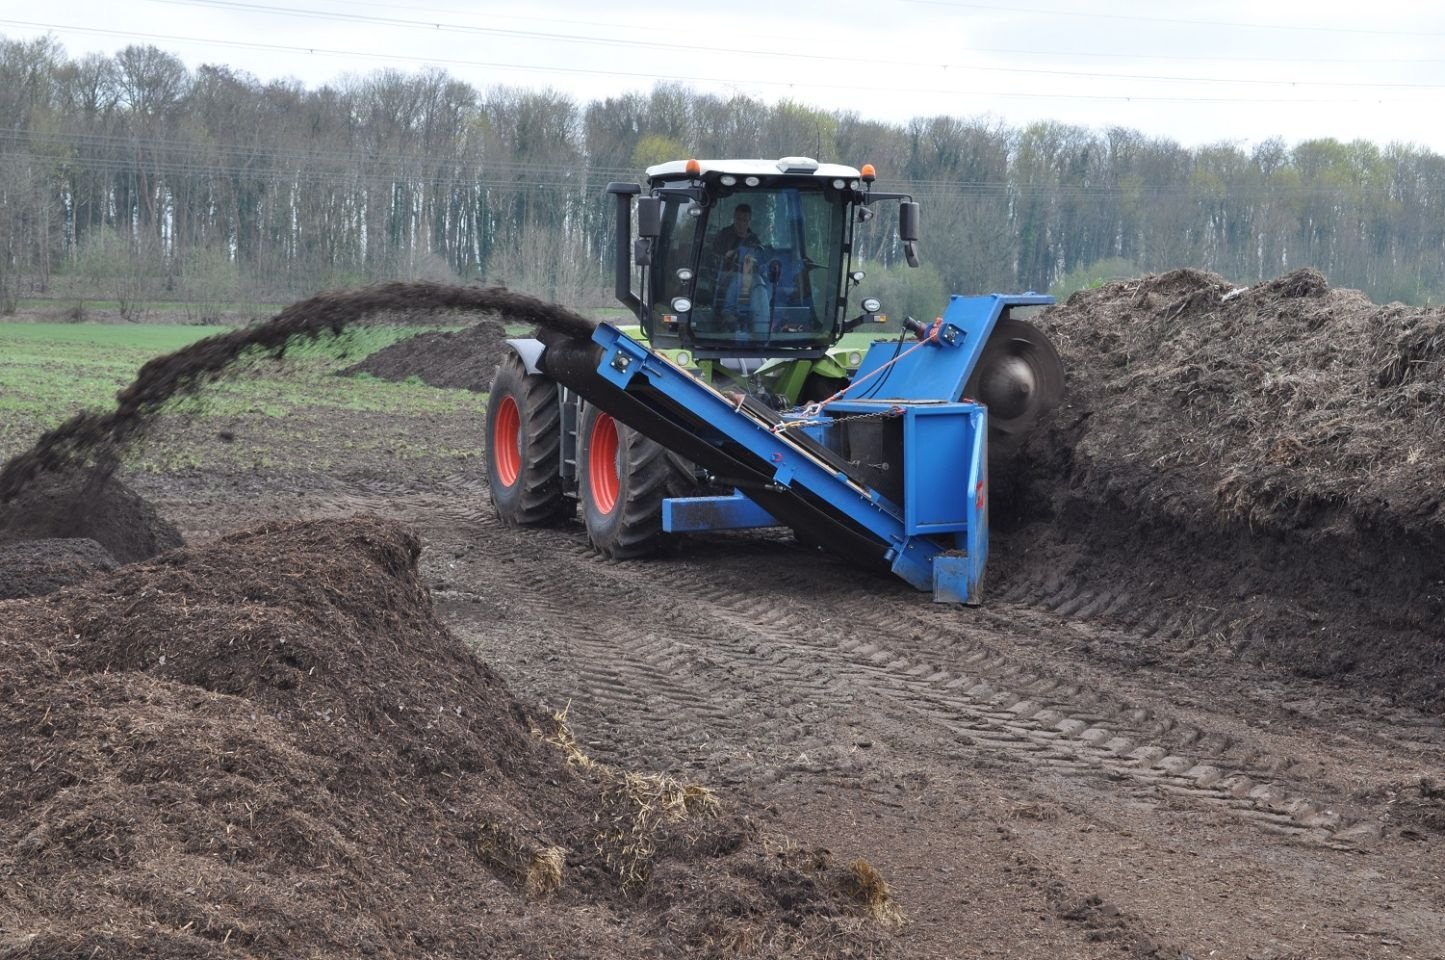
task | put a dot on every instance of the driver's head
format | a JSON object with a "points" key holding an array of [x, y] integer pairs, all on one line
{"points": [[742, 219]]}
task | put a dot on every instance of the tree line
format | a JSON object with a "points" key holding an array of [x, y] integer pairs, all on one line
{"points": [[133, 178]]}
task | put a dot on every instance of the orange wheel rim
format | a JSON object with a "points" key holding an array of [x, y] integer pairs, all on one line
{"points": [[602, 463], [507, 441]]}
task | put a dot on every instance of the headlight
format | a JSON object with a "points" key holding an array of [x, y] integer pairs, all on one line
{"points": [[870, 305], [682, 358], [752, 181], [681, 304], [684, 274], [857, 276], [728, 180], [854, 358]]}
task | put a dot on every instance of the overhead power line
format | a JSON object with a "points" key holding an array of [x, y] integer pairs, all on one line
{"points": [[1033, 51], [1180, 21], [653, 75], [791, 55]]}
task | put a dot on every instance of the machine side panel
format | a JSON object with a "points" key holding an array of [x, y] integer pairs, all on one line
{"points": [[939, 451]]}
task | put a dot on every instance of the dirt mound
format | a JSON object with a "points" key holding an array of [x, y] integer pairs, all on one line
{"points": [[37, 567], [79, 503], [270, 746], [98, 439], [1296, 408], [1273, 452], [462, 359]]}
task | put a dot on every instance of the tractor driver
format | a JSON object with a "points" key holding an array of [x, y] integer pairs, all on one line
{"points": [[740, 234], [742, 297]]}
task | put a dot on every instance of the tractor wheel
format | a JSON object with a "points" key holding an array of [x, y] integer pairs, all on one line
{"points": [[1019, 378], [623, 479], [524, 447]]}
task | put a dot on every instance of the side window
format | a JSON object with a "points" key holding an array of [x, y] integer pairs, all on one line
{"points": [[683, 230], [674, 251], [819, 218]]}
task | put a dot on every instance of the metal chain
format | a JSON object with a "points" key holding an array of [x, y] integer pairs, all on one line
{"points": [[894, 411]]}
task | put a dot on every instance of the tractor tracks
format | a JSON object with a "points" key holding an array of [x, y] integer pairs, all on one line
{"points": [[746, 658], [1040, 721]]}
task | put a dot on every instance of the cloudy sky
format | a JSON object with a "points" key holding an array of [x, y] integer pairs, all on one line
{"points": [[1197, 73]]}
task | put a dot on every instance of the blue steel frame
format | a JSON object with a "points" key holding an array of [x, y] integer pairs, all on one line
{"points": [[937, 539], [933, 375]]}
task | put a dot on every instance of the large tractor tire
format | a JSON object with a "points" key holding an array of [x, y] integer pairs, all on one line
{"points": [[623, 479], [1019, 378], [524, 447]]}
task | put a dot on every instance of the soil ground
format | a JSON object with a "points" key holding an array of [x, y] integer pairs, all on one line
{"points": [[1165, 734]]}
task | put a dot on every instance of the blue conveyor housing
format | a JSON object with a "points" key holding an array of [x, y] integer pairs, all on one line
{"points": [[814, 469]]}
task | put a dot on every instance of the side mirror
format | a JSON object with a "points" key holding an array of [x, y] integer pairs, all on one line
{"points": [[908, 231], [649, 216], [907, 221]]}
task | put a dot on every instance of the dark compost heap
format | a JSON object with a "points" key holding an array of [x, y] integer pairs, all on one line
{"points": [[1261, 465], [270, 746]]}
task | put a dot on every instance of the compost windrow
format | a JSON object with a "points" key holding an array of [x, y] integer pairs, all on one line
{"points": [[269, 746], [1259, 465]]}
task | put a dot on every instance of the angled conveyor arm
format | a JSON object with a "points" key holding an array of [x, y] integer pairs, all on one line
{"points": [[935, 540]]}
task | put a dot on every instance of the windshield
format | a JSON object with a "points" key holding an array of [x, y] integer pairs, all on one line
{"points": [[765, 267]]}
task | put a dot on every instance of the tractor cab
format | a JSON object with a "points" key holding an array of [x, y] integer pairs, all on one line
{"points": [[743, 258]]}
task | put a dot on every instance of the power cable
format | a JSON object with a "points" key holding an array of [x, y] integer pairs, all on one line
{"points": [[789, 84], [1231, 24], [733, 51], [1006, 51]]}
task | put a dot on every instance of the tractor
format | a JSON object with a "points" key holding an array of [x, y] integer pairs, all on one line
{"points": [[743, 271]]}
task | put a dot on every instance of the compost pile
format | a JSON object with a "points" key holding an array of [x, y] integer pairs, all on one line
{"points": [[65, 526], [1275, 452], [459, 359], [270, 746]]}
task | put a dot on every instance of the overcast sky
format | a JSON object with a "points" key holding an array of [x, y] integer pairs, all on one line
{"points": [[1197, 73]]}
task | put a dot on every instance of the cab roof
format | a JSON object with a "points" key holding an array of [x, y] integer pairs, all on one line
{"points": [[789, 166]]}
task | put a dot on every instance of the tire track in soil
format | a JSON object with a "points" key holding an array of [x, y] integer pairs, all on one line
{"points": [[1061, 724], [994, 704], [650, 662], [1011, 714], [791, 661], [1198, 637]]}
